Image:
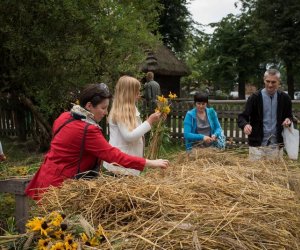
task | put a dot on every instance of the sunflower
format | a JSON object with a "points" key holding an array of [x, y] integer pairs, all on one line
{"points": [[35, 224], [38, 224], [43, 244], [59, 234], [70, 244], [56, 219]]}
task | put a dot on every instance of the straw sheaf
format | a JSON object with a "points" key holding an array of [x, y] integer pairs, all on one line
{"points": [[218, 200]]}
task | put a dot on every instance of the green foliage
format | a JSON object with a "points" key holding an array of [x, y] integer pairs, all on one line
{"points": [[237, 51], [11, 225], [7, 204], [174, 23], [50, 48], [241, 47], [195, 50], [234, 53], [279, 23]]}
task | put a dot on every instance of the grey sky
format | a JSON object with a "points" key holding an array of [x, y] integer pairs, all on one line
{"points": [[209, 11]]}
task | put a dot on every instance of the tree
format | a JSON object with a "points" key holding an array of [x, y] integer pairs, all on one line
{"points": [[280, 23], [195, 50], [174, 23], [235, 52], [51, 48]]}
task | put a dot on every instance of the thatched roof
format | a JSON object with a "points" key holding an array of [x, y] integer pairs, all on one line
{"points": [[163, 61]]}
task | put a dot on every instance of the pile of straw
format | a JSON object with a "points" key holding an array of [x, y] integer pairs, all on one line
{"points": [[216, 201]]}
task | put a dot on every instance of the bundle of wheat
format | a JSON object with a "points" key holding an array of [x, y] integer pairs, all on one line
{"points": [[219, 200]]}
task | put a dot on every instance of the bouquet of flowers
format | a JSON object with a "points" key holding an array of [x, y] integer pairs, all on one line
{"points": [[163, 105], [55, 231]]}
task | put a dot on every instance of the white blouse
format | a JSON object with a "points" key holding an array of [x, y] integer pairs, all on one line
{"points": [[129, 142]]}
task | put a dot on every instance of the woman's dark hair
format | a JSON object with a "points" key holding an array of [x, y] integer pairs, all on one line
{"points": [[200, 97], [94, 93]]}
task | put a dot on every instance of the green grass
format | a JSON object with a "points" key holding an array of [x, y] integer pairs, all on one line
{"points": [[22, 158], [20, 153]]}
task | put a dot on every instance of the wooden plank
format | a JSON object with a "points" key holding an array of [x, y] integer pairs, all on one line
{"points": [[21, 212], [14, 186], [225, 128]]}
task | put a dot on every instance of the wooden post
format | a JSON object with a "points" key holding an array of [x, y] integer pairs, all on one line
{"points": [[17, 187]]}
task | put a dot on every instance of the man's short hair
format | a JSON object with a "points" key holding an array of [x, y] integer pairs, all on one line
{"points": [[149, 76], [272, 72]]}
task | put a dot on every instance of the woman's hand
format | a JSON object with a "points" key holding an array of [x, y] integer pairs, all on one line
{"points": [[214, 138], [153, 118], [207, 139], [159, 163]]}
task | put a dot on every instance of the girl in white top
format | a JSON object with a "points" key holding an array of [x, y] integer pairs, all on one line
{"points": [[125, 125]]}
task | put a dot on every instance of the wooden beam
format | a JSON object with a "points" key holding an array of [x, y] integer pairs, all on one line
{"points": [[17, 188]]}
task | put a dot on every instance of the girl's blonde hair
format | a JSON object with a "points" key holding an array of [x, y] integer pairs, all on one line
{"points": [[123, 109]]}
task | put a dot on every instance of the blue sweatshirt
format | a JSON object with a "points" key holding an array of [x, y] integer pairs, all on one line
{"points": [[190, 126]]}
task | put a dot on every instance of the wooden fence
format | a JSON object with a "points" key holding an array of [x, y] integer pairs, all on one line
{"points": [[16, 123], [227, 111], [21, 124]]}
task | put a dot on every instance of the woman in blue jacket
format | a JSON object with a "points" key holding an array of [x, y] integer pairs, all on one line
{"points": [[201, 125]]}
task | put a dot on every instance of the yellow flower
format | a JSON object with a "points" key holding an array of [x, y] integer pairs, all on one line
{"points": [[44, 229], [172, 96], [69, 242], [162, 104], [166, 110], [74, 246], [58, 246], [77, 102], [100, 234], [162, 99], [94, 242], [43, 244], [59, 234], [99, 231], [84, 237], [35, 224], [38, 224], [56, 219]]}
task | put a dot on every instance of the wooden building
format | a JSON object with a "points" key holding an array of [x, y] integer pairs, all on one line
{"points": [[167, 69]]}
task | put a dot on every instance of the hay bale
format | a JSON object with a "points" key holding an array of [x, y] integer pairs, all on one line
{"points": [[217, 201]]}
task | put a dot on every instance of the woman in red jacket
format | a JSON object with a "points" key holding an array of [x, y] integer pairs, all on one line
{"points": [[78, 144]]}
